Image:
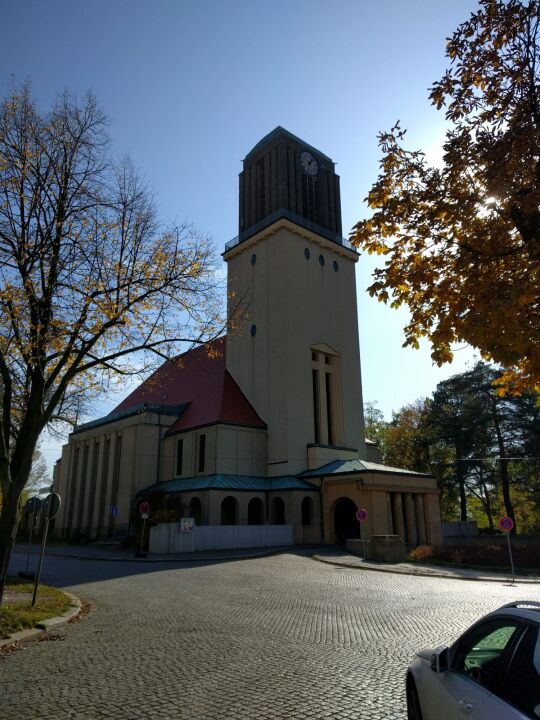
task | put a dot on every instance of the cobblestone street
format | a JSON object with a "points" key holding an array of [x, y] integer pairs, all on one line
{"points": [[275, 637]]}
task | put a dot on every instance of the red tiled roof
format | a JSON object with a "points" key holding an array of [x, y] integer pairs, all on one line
{"points": [[200, 379]]}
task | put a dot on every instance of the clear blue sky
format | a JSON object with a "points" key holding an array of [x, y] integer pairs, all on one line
{"points": [[191, 85]]}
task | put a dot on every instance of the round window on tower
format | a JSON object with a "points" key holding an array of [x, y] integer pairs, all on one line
{"points": [[321, 260], [253, 330], [253, 259], [307, 253]]}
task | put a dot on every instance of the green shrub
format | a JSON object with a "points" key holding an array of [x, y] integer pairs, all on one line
{"points": [[525, 556]]}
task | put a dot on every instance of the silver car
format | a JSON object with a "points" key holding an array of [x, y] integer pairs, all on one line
{"points": [[492, 672]]}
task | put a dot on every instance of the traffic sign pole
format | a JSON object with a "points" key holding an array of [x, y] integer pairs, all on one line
{"points": [[49, 510], [144, 509], [511, 559], [40, 564], [506, 524], [361, 516], [142, 534], [33, 520]]}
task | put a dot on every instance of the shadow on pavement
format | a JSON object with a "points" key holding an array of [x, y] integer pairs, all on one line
{"points": [[67, 567]]}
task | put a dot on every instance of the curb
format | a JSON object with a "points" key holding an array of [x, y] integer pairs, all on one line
{"points": [[45, 626], [423, 573]]}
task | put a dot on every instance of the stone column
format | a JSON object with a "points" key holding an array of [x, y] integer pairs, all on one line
{"points": [[389, 513], [398, 516], [410, 519], [420, 519]]}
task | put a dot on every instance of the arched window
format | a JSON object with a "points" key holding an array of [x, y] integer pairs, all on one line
{"points": [[255, 512], [229, 511], [307, 511], [195, 510], [278, 511]]}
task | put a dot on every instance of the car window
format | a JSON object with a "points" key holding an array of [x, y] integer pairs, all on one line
{"points": [[480, 654], [521, 685]]}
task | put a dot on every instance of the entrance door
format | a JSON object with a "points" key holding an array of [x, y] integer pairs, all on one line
{"points": [[346, 525]]}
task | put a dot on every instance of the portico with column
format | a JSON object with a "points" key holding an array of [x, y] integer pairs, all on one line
{"points": [[398, 502]]}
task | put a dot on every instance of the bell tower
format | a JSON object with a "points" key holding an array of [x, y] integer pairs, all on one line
{"points": [[283, 175], [295, 355]]}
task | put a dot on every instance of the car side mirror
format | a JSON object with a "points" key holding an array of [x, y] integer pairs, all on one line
{"points": [[440, 660]]}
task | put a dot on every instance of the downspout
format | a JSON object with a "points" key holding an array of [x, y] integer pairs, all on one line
{"points": [[321, 513], [158, 464]]}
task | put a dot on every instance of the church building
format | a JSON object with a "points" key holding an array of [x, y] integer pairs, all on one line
{"points": [[263, 426]]}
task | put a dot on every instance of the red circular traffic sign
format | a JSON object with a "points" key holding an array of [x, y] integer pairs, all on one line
{"points": [[506, 524], [144, 507], [361, 515]]}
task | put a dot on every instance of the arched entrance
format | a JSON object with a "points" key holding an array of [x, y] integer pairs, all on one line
{"points": [[346, 526]]}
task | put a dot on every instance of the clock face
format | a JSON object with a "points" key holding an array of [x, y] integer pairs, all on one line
{"points": [[309, 164]]}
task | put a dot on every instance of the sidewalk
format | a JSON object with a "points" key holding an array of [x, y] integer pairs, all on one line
{"points": [[344, 559], [332, 556], [108, 553]]}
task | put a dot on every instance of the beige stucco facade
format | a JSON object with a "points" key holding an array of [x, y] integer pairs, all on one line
{"points": [[105, 466], [229, 450], [298, 306]]}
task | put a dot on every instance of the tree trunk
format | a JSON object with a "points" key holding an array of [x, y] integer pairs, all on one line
{"points": [[487, 506], [505, 475], [505, 482], [13, 477], [9, 521]]}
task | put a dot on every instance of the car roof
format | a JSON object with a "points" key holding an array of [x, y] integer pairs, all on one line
{"points": [[525, 609]]}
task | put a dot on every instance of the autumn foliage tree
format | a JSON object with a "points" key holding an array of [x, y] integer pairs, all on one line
{"points": [[91, 285], [462, 242]]}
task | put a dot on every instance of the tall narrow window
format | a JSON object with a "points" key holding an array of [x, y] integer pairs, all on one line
{"points": [[315, 377], [102, 514], [179, 455], [329, 404], [115, 482], [72, 491], [202, 452], [93, 486], [83, 484]]}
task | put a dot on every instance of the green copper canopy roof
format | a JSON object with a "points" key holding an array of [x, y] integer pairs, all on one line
{"points": [[344, 467], [228, 482]]}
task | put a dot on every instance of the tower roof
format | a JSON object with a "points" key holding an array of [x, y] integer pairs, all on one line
{"points": [[281, 132]]}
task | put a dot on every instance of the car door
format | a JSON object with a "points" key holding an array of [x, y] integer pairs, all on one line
{"points": [[520, 689], [478, 664]]}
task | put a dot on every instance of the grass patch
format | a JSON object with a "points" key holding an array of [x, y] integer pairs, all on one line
{"points": [[20, 615]]}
